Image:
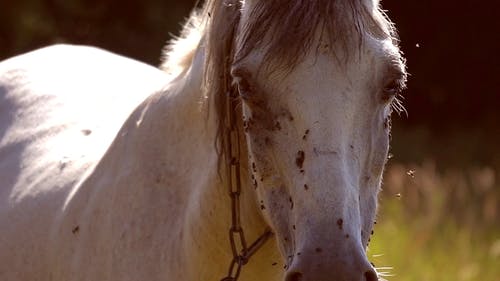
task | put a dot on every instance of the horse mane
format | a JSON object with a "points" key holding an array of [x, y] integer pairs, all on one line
{"points": [[179, 52], [294, 26]]}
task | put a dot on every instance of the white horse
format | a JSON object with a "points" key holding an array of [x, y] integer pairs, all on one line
{"points": [[114, 170]]}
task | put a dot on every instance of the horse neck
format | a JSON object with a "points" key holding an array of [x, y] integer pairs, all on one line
{"points": [[208, 205]]}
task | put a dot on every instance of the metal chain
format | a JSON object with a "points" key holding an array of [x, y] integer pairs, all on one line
{"points": [[241, 252]]}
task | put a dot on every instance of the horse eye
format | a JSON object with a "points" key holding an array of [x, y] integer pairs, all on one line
{"points": [[244, 87], [391, 90]]}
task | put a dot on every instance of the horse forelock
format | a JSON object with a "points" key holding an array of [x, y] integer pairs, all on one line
{"points": [[294, 26]]}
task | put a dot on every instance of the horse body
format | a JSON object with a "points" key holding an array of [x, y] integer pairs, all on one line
{"points": [[97, 198], [52, 139], [110, 168]]}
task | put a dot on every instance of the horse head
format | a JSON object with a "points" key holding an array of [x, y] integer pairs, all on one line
{"points": [[317, 83]]}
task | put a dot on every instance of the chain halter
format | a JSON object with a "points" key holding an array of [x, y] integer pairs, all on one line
{"points": [[239, 247]]}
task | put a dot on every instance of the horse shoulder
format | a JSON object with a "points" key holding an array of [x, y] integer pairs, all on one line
{"points": [[60, 109]]}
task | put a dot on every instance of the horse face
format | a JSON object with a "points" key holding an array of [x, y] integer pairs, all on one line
{"points": [[318, 138]]}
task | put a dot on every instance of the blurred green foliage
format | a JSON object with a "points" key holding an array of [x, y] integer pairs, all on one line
{"points": [[438, 225]]}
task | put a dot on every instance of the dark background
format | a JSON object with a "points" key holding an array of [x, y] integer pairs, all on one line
{"points": [[451, 47]]}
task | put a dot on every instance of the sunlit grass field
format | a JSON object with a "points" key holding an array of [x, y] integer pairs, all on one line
{"points": [[438, 224]]}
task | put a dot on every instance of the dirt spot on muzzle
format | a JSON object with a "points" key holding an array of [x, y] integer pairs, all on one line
{"points": [[340, 223], [300, 158]]}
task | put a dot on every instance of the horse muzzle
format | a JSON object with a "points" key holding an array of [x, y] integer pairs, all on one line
{"points": [[330, 265]]}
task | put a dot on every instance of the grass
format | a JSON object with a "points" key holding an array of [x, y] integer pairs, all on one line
{"points": [[438, 224]]}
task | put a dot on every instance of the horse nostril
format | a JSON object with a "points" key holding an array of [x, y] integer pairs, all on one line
{"points": [[371, 276], [294, 276]]}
